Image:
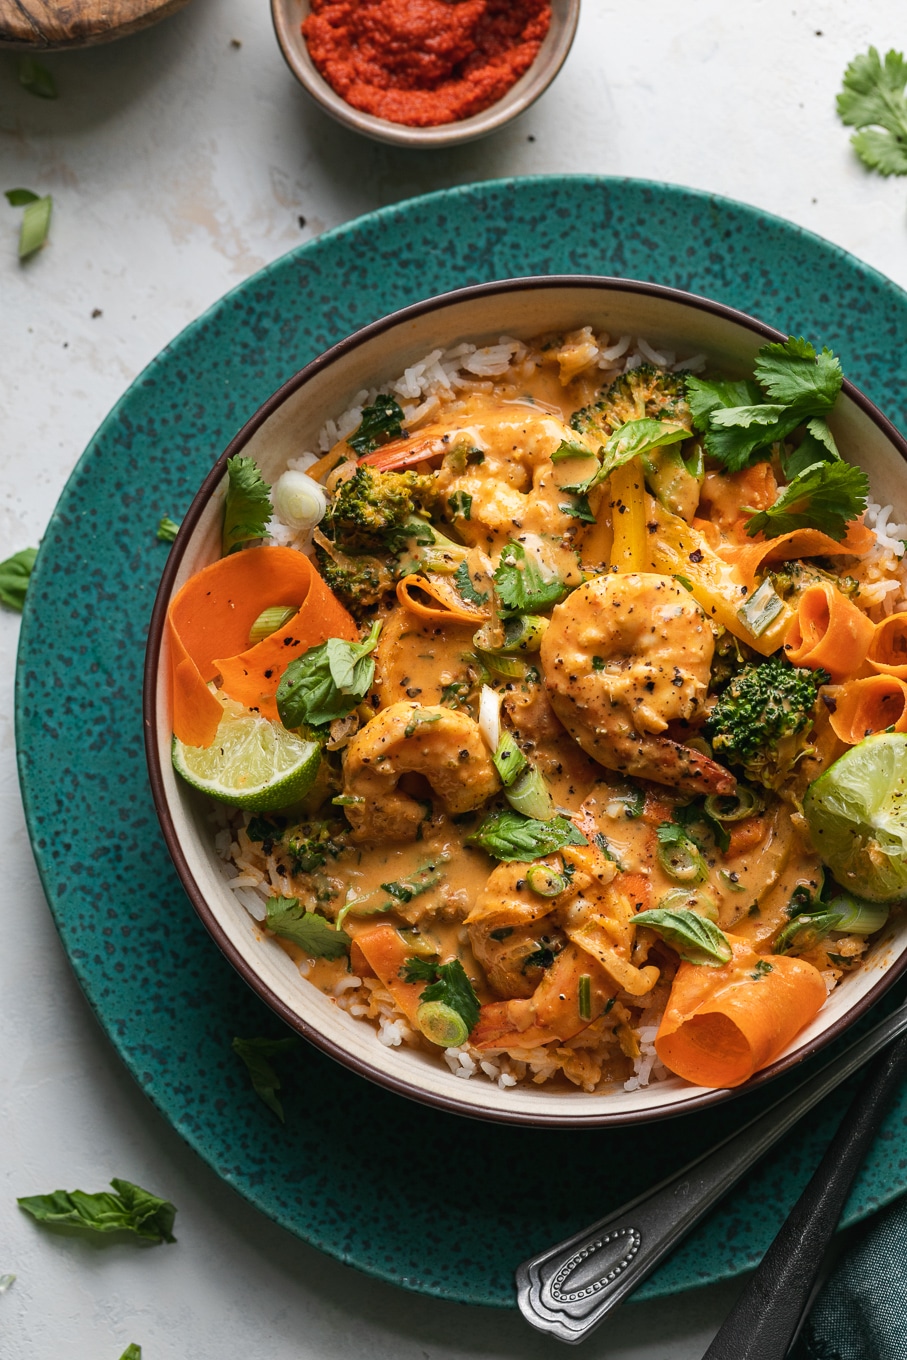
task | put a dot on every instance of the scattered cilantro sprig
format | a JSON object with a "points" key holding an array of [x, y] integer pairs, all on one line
{"points": [[466, 587], [291, 920], [824, 496], [448, 984], [247, 505], [874, 102], [521, 587]]}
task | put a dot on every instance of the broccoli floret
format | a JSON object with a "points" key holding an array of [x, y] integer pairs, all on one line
{"points": [[371, 511], [646, 391], [360, 582], [759, 718], [310, 845]]}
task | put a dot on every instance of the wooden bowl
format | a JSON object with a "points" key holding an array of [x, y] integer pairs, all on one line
{"points": [[41, 25], [289, 14]]}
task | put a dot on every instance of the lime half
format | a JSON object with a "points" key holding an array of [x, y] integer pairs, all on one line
{"points": [[252, 763], [857, 814]]}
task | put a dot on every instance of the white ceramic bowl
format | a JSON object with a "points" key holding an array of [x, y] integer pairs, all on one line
{"points": [[289, 14], [289, 423]]}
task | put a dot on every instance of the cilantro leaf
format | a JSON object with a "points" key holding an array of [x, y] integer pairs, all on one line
{"points": [[381, 422], [255, 1053], [510, 836], [129, 1209], [327, 681], [167, 529], [706, 395], [579, 509], [792, 373], [825, 496], [36, 78], [15, 574], [873, 101], [521, 587], [247, 505], [448, 984], [466, 587], [292, 921], [695, 938]]}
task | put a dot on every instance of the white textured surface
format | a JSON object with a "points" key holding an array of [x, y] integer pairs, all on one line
{"points": [[179, 164]]}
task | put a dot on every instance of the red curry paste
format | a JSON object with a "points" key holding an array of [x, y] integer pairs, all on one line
{"points": [[424, 62]]}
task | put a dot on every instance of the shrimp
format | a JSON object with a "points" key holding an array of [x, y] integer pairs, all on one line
{"points": [[441, 744], [624, 656], [535, 949]]}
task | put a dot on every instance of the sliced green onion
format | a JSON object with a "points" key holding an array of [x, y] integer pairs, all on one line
{"points": [[441, 1024], [733, 807], [509, 760], [761, 608], [531, 796], [858, 917], [522, 633], [805, 931], [679, 899], [510, 667], [730, 881], [490, 716], [545, 881], [298, 500], [681, 858], [584, 996], [269, 621], [417, 944]]}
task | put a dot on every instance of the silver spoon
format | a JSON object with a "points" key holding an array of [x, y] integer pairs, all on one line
{"points": [[567, 1290]]}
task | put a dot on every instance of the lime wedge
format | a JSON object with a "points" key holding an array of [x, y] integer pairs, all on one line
{"points": [[857, 814], [252, 763]]}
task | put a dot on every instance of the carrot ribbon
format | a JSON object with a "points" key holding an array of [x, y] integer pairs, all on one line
{"points": [[723, 1024], [208, 625], [888, 649], [828, 631], [749, 557], [873, 704], [447, 607]]}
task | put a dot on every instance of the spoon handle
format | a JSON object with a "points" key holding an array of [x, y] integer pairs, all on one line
{"points": [[767, 1316], [567, 1290]]}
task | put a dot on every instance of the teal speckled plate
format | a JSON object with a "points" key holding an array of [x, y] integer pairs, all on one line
{"points": [[357, 1171]]}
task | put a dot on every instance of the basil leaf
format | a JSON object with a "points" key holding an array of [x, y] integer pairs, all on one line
{"points": [[636, 437], [132, 1352], [255, 1053], [15, 574], [36, 78], [695, 938], [509, 836], [327, 681], [35, 226], [167, 529], [292, 921], [381, 422], [521, 587], [130, 1209], [247, 505], [448, 983]]}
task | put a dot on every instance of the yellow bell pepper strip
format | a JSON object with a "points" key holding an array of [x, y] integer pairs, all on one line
{"points": [[628, 509]]}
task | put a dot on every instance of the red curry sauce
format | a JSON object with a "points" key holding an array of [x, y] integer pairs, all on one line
{"points": [[424, 62]]}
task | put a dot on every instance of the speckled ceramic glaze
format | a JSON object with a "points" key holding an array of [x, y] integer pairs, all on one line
{"points": [[168, 1001]]}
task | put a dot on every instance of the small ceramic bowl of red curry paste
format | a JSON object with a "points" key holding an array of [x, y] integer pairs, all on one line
{"points": [[423, 73]]}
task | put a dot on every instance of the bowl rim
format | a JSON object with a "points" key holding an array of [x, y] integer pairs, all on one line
{"points": [[372, 1072], [515, 100]]}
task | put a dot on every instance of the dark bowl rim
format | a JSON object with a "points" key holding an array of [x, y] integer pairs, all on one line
{"points": [[336, 1051]]}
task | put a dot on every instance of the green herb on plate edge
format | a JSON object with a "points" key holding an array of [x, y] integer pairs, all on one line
{"points": [[129, 1209], [256, 1053], [15, 574]]}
